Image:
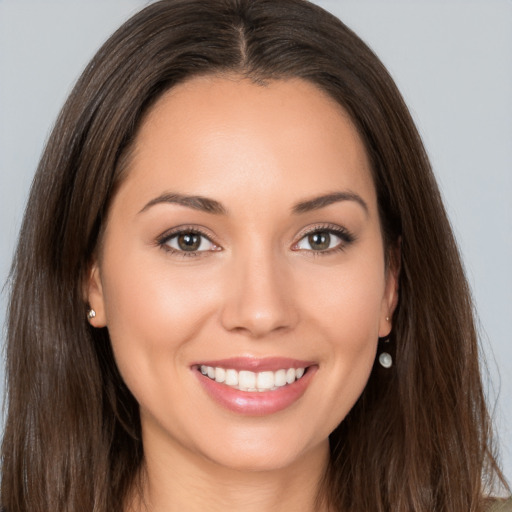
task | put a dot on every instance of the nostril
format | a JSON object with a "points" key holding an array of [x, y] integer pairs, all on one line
{"points": [[257, 299]]}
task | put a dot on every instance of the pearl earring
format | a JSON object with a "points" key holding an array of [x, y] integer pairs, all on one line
{"points": [[385, 359], [91, 314]]}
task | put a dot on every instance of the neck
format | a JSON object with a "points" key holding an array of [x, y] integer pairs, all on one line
{"points": [[180, 480]]}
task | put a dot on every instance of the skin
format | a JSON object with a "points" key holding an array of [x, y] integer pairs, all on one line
{"points": [[258, 290]]}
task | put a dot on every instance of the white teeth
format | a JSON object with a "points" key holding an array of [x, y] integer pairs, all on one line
{"points": [[265, 380], [220, 374], [280, 378], [231, 378], [245, 380]]}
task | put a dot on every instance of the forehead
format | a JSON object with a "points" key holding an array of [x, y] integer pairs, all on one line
{"points": [[214, 135]]}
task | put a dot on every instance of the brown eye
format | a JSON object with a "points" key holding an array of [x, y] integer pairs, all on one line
{"points": [[319, 241], [189, 241], [324, 240]]}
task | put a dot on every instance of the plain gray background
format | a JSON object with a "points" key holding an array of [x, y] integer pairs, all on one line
{"points": [[452, 61]]}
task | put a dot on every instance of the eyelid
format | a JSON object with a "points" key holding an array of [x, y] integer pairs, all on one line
{"points": [[162, 239], [343, 233]]}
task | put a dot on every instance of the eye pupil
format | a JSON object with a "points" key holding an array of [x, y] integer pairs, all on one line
{"points": [[189, 241], [320, 240]]}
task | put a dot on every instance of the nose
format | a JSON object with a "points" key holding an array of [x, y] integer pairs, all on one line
{"points": [[259, 297]]}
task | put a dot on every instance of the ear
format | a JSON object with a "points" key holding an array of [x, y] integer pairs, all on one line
{"points": [[94, 296], [390, 298]]}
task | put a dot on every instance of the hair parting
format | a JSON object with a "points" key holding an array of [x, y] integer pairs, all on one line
{"points": [[419, 438]]}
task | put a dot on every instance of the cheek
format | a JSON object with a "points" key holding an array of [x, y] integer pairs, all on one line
{"points": [[347, 300], [152, 310], [152, 291], [353, 330], [345, 309]]}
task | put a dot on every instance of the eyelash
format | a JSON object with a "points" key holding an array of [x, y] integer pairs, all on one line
{"points": [[343, 234], [163, 241]]}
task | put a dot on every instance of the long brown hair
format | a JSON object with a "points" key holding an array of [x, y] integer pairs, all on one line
{"points": [[419, 436]]}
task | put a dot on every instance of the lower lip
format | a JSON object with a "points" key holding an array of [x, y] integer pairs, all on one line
{"points": [[256, 403]]}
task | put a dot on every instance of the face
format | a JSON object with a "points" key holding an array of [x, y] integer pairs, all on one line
{"points": [[241, 275]]}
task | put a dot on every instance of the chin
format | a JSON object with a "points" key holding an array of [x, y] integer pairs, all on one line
{"points": [[254, 454]]}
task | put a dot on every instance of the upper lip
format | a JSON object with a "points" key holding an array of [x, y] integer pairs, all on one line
{"points": [[256, 364]]}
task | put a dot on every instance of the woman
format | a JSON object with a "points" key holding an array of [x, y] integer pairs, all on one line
{"points": [[236, 285]]}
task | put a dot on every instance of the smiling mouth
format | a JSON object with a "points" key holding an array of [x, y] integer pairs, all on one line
{"points": [[245, 380]]}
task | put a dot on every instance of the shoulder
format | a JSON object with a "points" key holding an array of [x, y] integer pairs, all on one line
{"points": [[500, 505]]}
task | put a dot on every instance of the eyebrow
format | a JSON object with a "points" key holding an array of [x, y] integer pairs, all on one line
{"points": [[208, 205], [322, 201], [200, 203]]}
